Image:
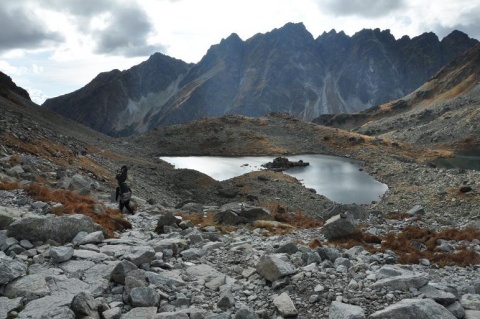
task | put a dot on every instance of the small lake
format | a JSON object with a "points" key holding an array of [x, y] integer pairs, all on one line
{"points": [[470, 160], [337, 178]]}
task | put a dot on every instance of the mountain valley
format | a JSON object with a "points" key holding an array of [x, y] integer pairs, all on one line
{"points": [[188, 251]]}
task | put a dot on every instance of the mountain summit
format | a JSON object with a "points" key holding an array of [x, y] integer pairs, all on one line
{"points": [[284, 70]]}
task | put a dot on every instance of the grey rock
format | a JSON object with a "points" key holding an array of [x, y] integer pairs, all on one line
{"points": [[113, 313], [226, 300], [60, 229], [11, 269], [414, 309], [168, 279], [43, 307], [285, 306], [472, 314], [289, 248], [84, 304], [92, 238], [61, 254], [442, 297], [272, 268], [404, 282], [57, 313], [143, 297], [202, 271], [456, 309], [7, 305], [175, 244], [139, 255], [141, 313], [416, 211], [172, 315], [338, 227], [470, 301], [245, 313], [339, 310], [30, 287]]}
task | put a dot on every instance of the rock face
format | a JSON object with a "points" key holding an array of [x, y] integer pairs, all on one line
{"points": [[285, 70], [448, 99], [7, 87]]}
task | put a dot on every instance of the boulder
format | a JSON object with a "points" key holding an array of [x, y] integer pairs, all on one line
{"points": [[10, 270], [84, 305], [61, 229], [272, 268], [285, 306], [414, 309], [339, 226], [340, 310]]}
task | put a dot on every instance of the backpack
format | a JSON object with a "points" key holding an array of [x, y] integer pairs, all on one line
{"points": [[125, 192]]}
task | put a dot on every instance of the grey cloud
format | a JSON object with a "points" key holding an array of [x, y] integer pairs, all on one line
{"points": [[127, 34], [362, 8], [467, 23], [20, 30]]}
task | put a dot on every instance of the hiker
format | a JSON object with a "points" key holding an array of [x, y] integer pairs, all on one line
{"points": [[123, 191]]}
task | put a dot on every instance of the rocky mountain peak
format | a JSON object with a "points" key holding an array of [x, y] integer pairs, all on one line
{"points": [[284, 70], [7, 85]]}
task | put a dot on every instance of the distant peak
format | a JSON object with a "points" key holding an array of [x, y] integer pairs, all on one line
{"points": [[233, 38], [457, 34]]}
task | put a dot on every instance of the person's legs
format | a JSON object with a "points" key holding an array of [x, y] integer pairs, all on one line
{"points": [[129, 208], [120, 206]]}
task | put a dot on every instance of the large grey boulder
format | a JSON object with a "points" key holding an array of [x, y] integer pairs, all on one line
{"points": [[470, 301], [121, 270], [139, 255], [340, 310], [141, 312], [444, 298], [143, 297], [7, 305], [285, 306], [339, 226], [84, 305], [30, 287], [11, 269], [61, 254], [403, 282], [272, 268], [414, 309], [246, 313], [61, 229]]}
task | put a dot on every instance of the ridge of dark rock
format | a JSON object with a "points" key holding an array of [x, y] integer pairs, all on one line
{"points": [[284, 70]]}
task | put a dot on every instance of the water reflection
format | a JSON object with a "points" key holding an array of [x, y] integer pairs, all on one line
{"points": [[337, 178]]}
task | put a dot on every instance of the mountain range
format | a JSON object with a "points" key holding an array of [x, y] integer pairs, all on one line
{"points": [[285, 70]]}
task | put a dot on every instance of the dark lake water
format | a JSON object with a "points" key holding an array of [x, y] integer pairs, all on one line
{"points": [[470, 160], [337, 178]]}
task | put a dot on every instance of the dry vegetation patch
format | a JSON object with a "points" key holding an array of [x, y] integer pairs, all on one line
{"points": [[73, 203], [415, 243]]}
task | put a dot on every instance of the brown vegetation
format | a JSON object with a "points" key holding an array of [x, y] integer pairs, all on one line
{"points": [[414, 243], [7, 186], [73, 203]]}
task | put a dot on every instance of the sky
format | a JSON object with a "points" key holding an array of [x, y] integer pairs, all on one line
{"points": [[54, 47]]}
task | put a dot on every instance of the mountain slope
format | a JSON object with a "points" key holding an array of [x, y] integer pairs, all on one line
{"points": [[442, 112], [285, 70], [117, 102]]}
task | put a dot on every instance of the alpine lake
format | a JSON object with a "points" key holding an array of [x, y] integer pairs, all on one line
{"points": [[339, 179]]}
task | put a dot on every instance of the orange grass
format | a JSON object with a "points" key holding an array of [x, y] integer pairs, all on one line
{"points": [[8, 186], [112, 220]]}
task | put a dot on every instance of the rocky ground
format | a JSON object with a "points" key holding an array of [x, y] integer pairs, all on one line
{"points": [[203, 270]]}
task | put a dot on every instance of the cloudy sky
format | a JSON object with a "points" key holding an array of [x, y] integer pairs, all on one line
{"points": [[53, 47]]}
